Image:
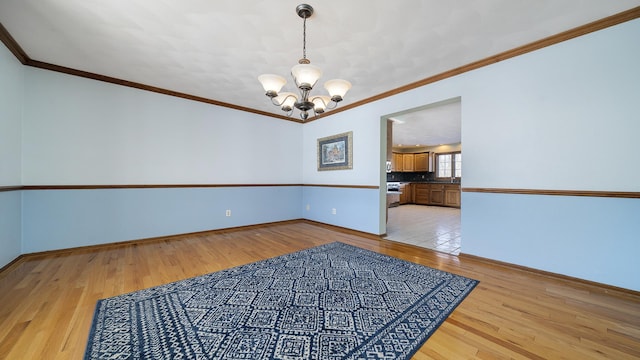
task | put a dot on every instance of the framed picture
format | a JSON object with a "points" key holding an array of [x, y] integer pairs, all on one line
{"points": [[336, 152]]}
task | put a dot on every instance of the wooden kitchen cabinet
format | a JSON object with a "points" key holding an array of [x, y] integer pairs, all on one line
{"points": [[452, 195], [421, 162], [421, 194], [436, 194], [396, 164], [408, 162], [406, 196]]}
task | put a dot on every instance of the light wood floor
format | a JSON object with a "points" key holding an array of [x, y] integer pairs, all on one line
{"points": [[47, 301]]}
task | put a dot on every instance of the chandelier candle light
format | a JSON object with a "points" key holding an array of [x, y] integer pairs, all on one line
{"points": [[305, 76]]}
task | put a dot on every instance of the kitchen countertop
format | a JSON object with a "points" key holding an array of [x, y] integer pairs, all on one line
{"points": [[428, 182]]}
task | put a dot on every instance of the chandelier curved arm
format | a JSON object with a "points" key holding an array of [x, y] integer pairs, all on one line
{"points": [[322, 103], [280, 100], [332, 105], [286, 101]]}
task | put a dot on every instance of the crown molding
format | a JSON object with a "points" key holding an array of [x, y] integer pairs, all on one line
{"points": [[521, 50], [13, 46], [112, 80]]}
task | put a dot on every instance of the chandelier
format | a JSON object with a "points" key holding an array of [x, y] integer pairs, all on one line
{"points": [[305, 76]]}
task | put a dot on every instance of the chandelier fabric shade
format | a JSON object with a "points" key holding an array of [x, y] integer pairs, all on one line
{"points": [[305, 77]]}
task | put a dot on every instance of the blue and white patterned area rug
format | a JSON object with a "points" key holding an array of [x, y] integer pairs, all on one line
{"points": [[334, 301]]}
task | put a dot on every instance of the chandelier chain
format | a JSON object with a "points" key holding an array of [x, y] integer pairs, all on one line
{"points": [[304, 38]]}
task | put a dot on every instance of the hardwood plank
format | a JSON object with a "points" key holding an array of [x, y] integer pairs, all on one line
{"points": [[47, 300]]}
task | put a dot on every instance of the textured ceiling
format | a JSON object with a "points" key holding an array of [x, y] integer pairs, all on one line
{"points": [[430, 125], [217, 49]]}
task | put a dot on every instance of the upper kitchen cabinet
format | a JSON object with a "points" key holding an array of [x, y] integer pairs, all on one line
{"points": [[421, 162], [396, 163], [408, 162], [411, 162]]}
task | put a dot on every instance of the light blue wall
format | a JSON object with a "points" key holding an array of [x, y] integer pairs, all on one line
{"points": [[562, 118], [11, 99], [79, 131], [87, 132], [355, 208], [559, 118], [10, 222], [585, 237], [58, 219]]}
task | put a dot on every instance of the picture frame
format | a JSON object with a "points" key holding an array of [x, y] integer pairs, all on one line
{"points": [[336, 152]]}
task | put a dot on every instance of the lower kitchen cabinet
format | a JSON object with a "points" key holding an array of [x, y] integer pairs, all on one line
{"points": [[421, 194], [452, 195], [406, 196], [435, 194]]}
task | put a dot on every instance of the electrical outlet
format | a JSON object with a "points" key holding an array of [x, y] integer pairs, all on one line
{"points": [[308, 207], [227, 213], [333, 211]]}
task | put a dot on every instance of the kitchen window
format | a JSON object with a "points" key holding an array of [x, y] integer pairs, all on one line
{"points": [[449, 165]]}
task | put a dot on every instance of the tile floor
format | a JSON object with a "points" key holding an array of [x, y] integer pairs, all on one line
{"points": [[431, 227]]}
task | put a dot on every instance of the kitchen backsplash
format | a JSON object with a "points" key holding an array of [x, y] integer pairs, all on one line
{"points": [[410, 176]]}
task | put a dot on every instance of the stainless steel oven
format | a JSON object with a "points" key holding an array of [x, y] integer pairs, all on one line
{"points": [[393, 186]]}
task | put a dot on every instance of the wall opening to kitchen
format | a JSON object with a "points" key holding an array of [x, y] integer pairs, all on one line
{"points": [[424, 174]]}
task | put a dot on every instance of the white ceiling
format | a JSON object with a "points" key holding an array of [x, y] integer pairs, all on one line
{"points": [[431, 125], [216, 49]]}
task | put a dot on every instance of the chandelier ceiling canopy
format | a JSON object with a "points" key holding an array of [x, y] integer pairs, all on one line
{"points": [[305, 77]]}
